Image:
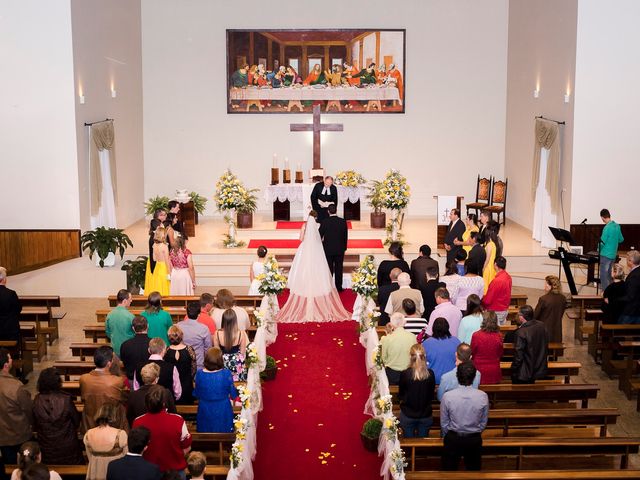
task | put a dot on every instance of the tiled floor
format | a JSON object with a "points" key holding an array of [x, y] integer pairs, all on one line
{"points": [[82, 312]]}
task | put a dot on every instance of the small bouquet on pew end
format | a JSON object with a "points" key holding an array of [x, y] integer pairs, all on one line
{"points": [[272, 281], [377, 358], [399, 462], [384, 404], [251, 357], [245, 396], [365, 278]]}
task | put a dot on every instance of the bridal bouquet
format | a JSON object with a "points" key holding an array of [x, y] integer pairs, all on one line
{"points": [[395, 191], [272, 281], [364, 280], [230, 193], [349, 178]]}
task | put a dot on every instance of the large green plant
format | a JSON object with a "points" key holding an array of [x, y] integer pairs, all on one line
{"points": [[105, 240], [136, 271], [375, 198], [249, 201], [199, 202], [156, 203]]}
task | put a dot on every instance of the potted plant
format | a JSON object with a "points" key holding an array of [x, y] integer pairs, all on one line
{"points": [[136, 271], [370, 434], [156, 203], [199, 204], [375, 199], [245, 211], [271, 369], [106, 242]]}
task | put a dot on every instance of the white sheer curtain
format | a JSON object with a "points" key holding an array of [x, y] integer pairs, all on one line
{"points": [[106, 216], [542, 215]]}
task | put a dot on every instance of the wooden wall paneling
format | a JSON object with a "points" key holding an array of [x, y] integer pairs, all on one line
{"points": [[25, 250], [588, 236]]}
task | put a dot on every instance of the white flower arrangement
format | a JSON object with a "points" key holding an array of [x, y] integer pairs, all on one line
{"points": [[399, 462], [364, 280], [272, 281], [251, 356], [349, 178], [245, 396], [236, 456], [390, 428], [260, 318], [395, 191], [384, 404]]}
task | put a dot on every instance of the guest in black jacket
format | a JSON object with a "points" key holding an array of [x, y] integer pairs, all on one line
{"points": [[477, 255], [631, 312], [429, 291], [133, 465], [455, 230], [419, 267], [384, 292], [10, 309], [396, 261], [613, 295], [334, 233], [531, 348], [136, 405], [135, 350]]}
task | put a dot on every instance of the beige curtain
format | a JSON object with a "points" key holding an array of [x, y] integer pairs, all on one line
{"points": [[102, 138], [547, 136]]}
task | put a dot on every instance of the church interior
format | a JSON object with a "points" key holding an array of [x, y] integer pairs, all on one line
{"points": [[512, 109]]}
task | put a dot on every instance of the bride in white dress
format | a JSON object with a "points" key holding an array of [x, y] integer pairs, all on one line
{"points": [[312, 293]]}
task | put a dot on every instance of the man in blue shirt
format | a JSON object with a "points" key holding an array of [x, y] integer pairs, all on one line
{"points": [[609, 240], [449, 380], [463, 417]]}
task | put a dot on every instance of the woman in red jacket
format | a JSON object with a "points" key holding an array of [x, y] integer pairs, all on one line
{"points": [[486, 349]]}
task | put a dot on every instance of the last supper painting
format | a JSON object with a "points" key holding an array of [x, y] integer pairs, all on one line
{"points": [[291, 71]]}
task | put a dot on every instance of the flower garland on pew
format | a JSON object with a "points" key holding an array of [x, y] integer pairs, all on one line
{"points": [[243, 450], [379, 405], [364, 282], [272, 283]]}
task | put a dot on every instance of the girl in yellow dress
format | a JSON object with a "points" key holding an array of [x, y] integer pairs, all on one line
{"points": [[491, 247], [158, 281], [472, 226]]}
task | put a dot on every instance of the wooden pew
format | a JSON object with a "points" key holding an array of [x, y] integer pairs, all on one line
{"points": [[554, 369], [182, 300], [177, 313], [521, 447], [48, 301], [95, 332], [582, 303], [560, 392], [46, 325], [212, 472], [527, 475], [630, 349], [610, 335], [85, 350], [73, 368], [556, 350], [503, 330], [518, 299], [33, 343]]}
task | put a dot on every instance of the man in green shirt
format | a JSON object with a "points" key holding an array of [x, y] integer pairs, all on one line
{"points": [[395, 348], [609, 240], [118, 327]]}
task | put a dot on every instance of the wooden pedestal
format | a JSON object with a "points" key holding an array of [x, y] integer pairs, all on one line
{"points": [[352, 210], [188, 217], [281, 210]]}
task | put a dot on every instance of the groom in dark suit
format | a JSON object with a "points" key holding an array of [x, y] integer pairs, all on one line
{"points": [[454, 232], [324, 191], [333, 231]]}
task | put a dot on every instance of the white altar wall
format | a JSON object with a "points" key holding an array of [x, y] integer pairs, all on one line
{"points": [[453, 128]]}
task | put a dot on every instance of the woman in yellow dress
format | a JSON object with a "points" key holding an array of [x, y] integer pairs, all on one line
{"points": [[491, 247], [158, 281], [472, 226]]}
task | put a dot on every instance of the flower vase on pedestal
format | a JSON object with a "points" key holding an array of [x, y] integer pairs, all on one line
{"points": [[230, 241]]}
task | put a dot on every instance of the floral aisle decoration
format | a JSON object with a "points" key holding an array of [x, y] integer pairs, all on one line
{"points": [[251, 356], [396, 194], [398, 463], [364, 282], [384, 404], [349, 178], [229, 196], [272, 283]]}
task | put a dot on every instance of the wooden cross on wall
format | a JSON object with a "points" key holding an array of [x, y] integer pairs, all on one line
{"points": [[316, 127]]}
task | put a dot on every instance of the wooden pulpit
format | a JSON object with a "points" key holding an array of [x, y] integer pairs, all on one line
{"points": [[188, 217]]}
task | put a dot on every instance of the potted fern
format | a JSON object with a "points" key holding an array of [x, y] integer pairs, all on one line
{"points": [[136, 270], [199, 204], [247, 208], [156, 203], [105, 242], [375, 199]]}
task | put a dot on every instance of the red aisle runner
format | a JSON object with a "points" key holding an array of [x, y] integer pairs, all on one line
{"points": [[310, 425], [282, 225], [294, 243]]}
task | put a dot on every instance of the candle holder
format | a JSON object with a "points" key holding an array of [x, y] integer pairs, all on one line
{"points": [[286, 176], [275, 176], [299, 177]]}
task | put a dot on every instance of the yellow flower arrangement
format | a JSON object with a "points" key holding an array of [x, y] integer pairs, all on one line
{"points": [[395, 191], [349, 178]]}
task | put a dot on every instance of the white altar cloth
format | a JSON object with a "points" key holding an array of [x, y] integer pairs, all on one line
{"points": [[301, 193]]}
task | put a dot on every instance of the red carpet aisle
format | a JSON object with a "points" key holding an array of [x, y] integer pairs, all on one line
{"points": [[310, 426]]}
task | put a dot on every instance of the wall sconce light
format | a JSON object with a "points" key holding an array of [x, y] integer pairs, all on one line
{"points": [[114, 94], [81, 97], [536, 93], [567, 97]]}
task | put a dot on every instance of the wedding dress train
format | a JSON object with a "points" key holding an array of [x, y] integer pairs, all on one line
{"points": [[312, 293]]}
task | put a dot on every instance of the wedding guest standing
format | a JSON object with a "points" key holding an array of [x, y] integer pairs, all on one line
{"points": [[472, 320], [396, 261], [214, 389], [613, 295], [106, 441], [454, 232], [419, 267], [159, 219], [609, 240], [225, 301], [158, 279], [118, 324], [451, 278], [470, 284], [257, 268], [56, 420], [416, 392], [136, 349], [550, 308], [194, 333], [397, 298], [471, 225], [428, 291], [30, 454], [183, 357], [491, 253], [631, 311], [158, 320], [233, 343], [183, 274], [10, 309], [487, 348], [441, 348], [447, 310], [498, 296], [395, 348], [477, 256]]}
